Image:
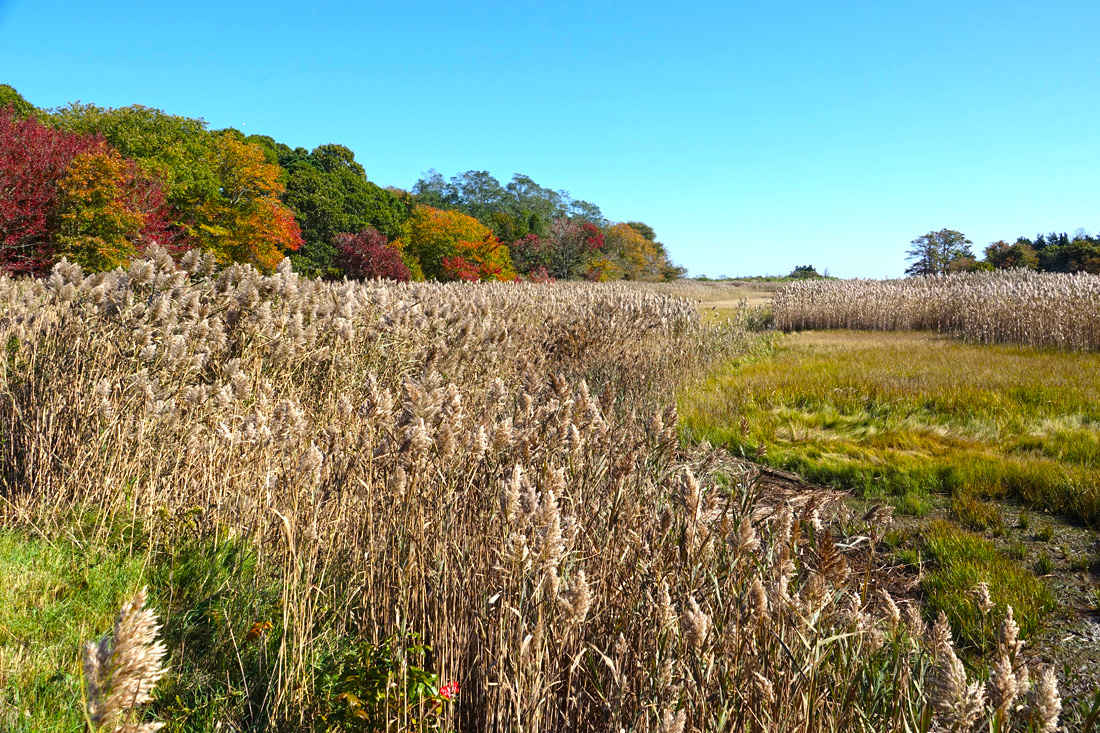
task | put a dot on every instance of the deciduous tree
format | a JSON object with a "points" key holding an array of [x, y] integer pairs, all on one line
{"points": [[33, 158], [368, 255], [1005, 256], [933, 253], [66, 194], [433, 235], [330, 194], [222, 190], [108, 212], [246, 222], [573, 246]]}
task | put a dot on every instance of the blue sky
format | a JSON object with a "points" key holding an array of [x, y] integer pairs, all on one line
{"points": [[752, 136]]}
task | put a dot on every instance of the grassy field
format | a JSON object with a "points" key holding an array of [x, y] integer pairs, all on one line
{"points": [[719, 300], [368, 506], [908, 415], [989, 454]]}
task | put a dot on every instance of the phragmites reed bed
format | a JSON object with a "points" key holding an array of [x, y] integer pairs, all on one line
{"points": [[494, 467], [1019, 306]]}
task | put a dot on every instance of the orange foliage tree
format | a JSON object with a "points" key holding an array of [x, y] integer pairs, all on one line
{"points": [[246, 221], [636, 257], [107, 211], [449, 245]]}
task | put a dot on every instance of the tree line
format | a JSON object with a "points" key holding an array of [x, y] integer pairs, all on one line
{"points": [[947, 250], [100, 185]]}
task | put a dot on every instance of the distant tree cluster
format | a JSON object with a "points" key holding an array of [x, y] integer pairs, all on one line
{"points": [[805, 272], [950, 251], [98, 186], [549, 234]]}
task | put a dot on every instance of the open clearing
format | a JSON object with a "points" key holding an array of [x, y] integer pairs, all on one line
{"points": [[990, 454]]}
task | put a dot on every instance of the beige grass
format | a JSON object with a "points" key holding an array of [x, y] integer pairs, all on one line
{"points": [[495, 467], [1036, 309]]}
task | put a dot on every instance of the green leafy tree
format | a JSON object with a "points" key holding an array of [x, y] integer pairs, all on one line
{"points": [[13, 101], [804, 272], [529, 207], [933, 253], [644, 229], [176, 150], [1004, 256], [330, 195]]}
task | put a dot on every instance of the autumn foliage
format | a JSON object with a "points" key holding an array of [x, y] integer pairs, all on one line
{"points": [[453, 246], [368, 255], [64, 194], [636, 257], [98, 185], [247, 222]]}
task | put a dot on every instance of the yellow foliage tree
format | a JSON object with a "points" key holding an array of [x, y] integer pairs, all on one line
{"points": [[106, 211], [636, 257], [449, 245], [246, 222]]}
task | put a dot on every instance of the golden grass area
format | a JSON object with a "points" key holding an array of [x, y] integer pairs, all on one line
{"points": [[897, 413], [1014, 306], [719, 300]]}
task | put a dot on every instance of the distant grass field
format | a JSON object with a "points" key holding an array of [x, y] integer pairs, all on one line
{"points": [[721, 299], [907, 415], [947, 432]]}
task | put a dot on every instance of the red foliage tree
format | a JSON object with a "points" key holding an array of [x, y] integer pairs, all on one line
{"points": [[33, 158], [368, 255], [65, 193], [573, 247], [460, 268]]}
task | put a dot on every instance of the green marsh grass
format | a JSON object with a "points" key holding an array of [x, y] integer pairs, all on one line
{"points": [[913, 414], [956, 561], [54, 595]]}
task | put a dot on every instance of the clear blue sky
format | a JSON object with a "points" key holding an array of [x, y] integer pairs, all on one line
{"points": [[753, 136]]}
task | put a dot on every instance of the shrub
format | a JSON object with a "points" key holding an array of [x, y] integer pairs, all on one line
{"points": [[369, 256]]}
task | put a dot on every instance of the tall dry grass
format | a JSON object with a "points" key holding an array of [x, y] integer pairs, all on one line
{"points": [[1035, 309], [494, 467]]}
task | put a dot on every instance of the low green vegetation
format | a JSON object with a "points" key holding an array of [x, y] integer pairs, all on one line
{"points": [[957, 561], [222, 624], [910, 415], [54, 596]]}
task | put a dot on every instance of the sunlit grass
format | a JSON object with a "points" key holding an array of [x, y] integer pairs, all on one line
{"points": [[957, 561], [53, 596], [905, 413]]}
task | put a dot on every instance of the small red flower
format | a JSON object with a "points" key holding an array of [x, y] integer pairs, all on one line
{"points": [[449, 690]]}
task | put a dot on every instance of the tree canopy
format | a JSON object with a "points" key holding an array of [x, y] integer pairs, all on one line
{"points": [[949, 251], [98, 184], [933, 253]]}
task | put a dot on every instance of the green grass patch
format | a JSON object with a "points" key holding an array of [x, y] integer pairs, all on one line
{"points": [[913, 504], [976, 514], [910, 415], [957, 560], [54, 596], [58, 593]]}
